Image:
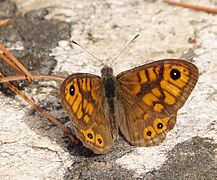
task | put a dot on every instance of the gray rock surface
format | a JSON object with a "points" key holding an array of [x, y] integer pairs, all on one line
{"points": [[31, 147]]}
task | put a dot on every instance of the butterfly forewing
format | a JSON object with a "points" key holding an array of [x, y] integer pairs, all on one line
{"points": [[81, 97], [151, 96]]}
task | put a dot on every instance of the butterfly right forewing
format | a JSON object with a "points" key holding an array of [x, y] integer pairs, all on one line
{"points": [[151, 96]]}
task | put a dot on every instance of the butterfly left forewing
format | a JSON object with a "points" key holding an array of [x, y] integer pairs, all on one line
{"points": [[151, 96], [81, 97]]}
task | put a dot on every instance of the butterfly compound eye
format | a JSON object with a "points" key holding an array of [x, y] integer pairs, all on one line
{"points": [[175, 74], [72, 90]]}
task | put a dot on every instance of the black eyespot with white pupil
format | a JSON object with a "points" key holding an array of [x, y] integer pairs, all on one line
{"points": [[149, 133], [72, 90], [99, 141], [159, 125], [90, 136], [175, 74]]}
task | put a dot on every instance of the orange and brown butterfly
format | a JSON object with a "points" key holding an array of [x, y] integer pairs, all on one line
{"points": [[142, 102]]}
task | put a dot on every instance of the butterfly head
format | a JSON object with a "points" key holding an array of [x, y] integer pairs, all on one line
{"points": [[107, 71]]}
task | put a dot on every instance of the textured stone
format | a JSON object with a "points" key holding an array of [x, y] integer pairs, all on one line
{"points": [[31, 147]]}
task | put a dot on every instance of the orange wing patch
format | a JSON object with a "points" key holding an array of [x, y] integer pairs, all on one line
{"points": [[146, 116], [89, 108], [158, 107], [156, 92], [80, 112], [77, 102], [88, 84], [132, 82], [86, 118], [143, 77], [149, 99], [83, 84], [172, 86], [183, 78], [80, 106], [169, 99], [99, 140], [152, 75], [91, 137], [149, 132], [159, 125]]}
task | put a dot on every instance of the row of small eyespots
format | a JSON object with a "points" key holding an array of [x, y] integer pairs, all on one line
{"points": [[91, 137], [159, 126]]}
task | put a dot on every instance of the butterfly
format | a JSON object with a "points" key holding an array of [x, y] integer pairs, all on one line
{"points": [[142, 102]]}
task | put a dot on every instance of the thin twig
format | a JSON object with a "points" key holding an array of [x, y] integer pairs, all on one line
{"points": [[66, 130], [35, 76], [212, 10], [10, 63], [25, 71]]}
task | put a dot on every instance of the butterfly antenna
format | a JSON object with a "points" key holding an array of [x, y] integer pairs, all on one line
{"points": [[87, 51], [136, 36]]}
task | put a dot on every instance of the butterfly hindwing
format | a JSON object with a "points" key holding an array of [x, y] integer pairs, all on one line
{"points": [[150, 96], [80, 99]]}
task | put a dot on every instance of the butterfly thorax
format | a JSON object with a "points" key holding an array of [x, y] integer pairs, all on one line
{"points": [[108, 81], [110, 84]]}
